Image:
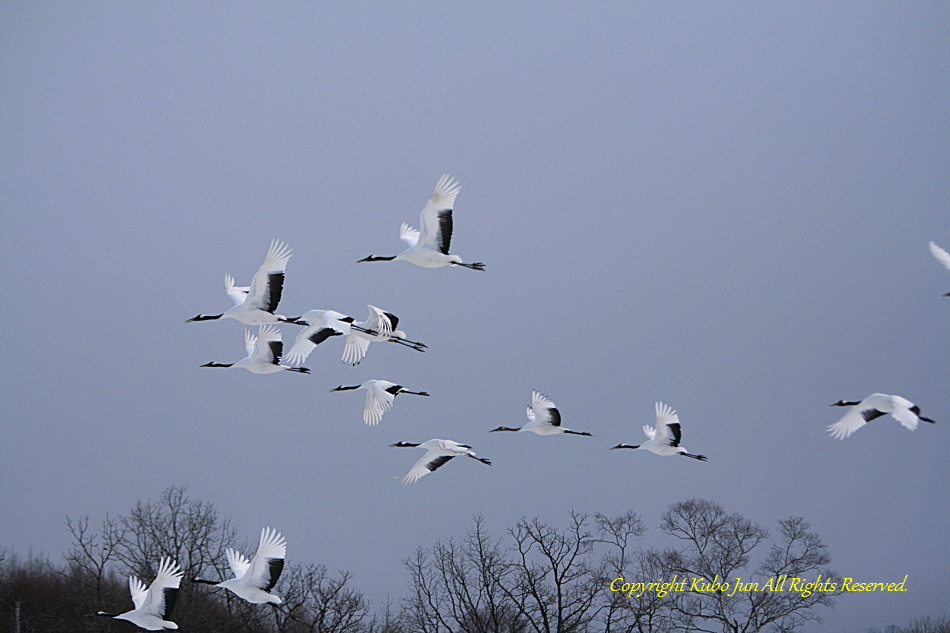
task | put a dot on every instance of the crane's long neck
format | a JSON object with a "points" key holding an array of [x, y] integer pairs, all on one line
{"points": [[203, 581], [205, 317], [346, 387], [625, 446], [377, 258], [213, 364], [505, 428], [570, 432], [415, 393]]}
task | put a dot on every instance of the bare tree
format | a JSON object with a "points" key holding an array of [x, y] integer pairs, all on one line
{"points": [[550, 580], [456, 586], [91, 556], [195, 534], [927, 624], [315, 602], [192, 532], [641, 611], [717, 549]]}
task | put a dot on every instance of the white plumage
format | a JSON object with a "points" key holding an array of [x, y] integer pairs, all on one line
{"points": [[153, 606], [254, 579], [320, 325], [664, 438], [429, 247], [941, 256], [264, 353], [379, 398], [873, 407], [237, 294], [379, 326], [260, 299], [543, 418], [438, 453]]}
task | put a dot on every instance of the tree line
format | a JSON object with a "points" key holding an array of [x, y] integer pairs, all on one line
{"points": [[534, 578]]}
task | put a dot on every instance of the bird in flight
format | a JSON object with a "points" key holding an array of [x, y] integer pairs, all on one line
{"points": [[664, 438], [543, 418], [429, 247], [873, 407]]}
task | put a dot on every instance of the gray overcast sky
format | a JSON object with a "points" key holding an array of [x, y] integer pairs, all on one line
{"points": [[722, 206]]}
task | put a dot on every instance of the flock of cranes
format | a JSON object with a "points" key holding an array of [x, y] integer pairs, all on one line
{"points": [[428, 247]]}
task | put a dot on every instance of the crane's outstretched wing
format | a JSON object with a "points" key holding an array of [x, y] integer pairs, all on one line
{"points": [[856, 417], [429, 462], [269, 348], [268, 562], [436, 217], [237, 562], [941, 255], [355, 348], [307, 339], [408, 235], [268, 281], [379, 400], [163, 591], [542, 410], [665, 418], [138, 591], [237, 293]]}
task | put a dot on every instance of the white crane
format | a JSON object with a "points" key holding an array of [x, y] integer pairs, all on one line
{"points": [[260, 299], [873, 407], [263, 353], [379, 398], [430, 247], [154, 606], [254, 579], [664, 439], [543, 418], [379, 326], [438, 452], [320, 325], [941, 256]]}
